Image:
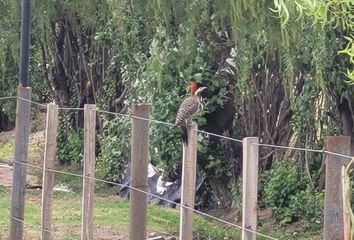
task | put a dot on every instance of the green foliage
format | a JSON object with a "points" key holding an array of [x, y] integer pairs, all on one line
{"points": [[6, 149], [70, 143], [285, 191], [155, 49], [349, 50], [74, 183], [115, 149], [308, 205], [281, 183]]}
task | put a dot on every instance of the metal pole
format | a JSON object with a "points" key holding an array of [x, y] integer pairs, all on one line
{"points": [[25, 41]]}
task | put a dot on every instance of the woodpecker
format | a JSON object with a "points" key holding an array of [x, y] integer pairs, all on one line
{"points": [[188, 110]]}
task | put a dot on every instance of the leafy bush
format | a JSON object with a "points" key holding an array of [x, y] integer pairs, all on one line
{"points": [[308, 205], [287, 193], [114, 150], [70, 145]]}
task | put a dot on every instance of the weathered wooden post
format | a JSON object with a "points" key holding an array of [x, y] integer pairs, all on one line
{"points": [[250, 187], [346, 203], [333, 209], [189, 168], [139, 172], [23, 112], [89, 171], [49, 163]]}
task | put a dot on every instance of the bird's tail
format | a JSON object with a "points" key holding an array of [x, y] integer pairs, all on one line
{"points": [[184, 135]]}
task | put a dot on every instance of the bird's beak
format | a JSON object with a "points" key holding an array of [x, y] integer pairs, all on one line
{"points": [[199, 90]]}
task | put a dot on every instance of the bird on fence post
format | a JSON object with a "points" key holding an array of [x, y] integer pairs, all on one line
{"points": [[188, 109]]}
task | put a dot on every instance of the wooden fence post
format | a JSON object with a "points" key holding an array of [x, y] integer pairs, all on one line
{"points": [[333, 209], [89, 171], [250, 187], [48, 163], [23, 113], [189, 168], [346, 203], [139, 172]]}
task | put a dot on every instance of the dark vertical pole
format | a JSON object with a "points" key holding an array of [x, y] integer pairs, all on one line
{"points": [[25, 41], [22, 129]]}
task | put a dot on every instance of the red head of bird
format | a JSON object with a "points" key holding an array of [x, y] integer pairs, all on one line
{"points": [[195, 89]]}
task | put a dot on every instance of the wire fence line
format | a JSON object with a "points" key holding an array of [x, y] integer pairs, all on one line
{"points": [[323, 151], [199, 131], [303, 149], [32, 225], [168, 124], [148, 194]]}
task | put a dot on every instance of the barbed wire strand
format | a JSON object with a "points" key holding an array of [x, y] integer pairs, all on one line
{"points": [[149, 194]]}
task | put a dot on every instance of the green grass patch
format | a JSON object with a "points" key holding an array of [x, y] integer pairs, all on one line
{"points": [[6, 149], [110, 214], [73, 182]]}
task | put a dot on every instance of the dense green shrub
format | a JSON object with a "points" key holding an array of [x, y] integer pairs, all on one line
{"points": [[114, 149], [70, 146], [286, 192]]}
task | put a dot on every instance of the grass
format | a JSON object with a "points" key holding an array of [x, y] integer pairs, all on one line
{"points": [[110, 216], [35, 146], [6, 149]]}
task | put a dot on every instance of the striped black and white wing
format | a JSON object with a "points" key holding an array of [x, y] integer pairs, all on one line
{"points": [[187, 110]]}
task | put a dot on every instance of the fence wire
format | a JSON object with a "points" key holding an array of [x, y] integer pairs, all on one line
{"points": [[32, 225], [199, 131], [323, 151], [148, 194]]}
